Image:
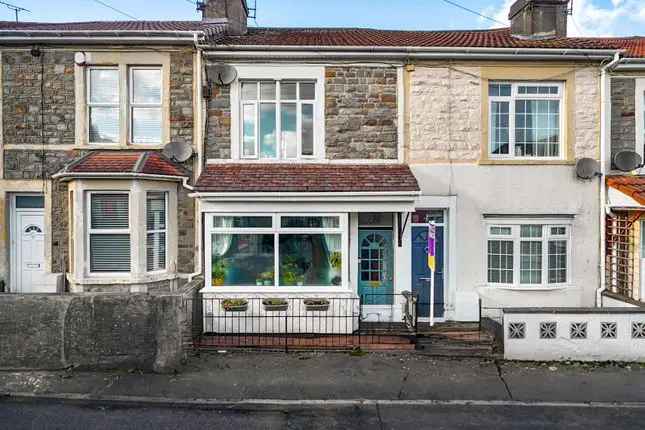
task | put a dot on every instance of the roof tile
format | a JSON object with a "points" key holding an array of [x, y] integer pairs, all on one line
{"points": [[125, 162]]}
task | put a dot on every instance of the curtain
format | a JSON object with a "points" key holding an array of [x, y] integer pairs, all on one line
{"points": [[222, 242], [333, 241]]}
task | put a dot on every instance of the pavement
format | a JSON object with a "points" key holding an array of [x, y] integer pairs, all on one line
{"points": [[266, 378]]}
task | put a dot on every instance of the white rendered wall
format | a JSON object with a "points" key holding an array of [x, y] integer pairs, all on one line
{"points": [[563, 347]]}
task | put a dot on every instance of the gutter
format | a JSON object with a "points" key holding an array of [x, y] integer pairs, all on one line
{"points": [[605, 139]]}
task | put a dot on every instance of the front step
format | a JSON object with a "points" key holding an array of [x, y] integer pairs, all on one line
{"points": [[455, 340]]}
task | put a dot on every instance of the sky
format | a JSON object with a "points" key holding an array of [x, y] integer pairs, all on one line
{"points": [[590, 17]]}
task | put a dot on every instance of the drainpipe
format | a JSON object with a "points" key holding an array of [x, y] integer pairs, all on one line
{"points": [[605, 140]]}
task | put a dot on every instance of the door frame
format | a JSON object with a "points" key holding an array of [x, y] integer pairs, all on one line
{"points": [[13, 236], [449, 205]]}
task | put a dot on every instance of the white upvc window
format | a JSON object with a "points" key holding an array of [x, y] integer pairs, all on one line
{"points": [[278, 113], [109, 232], [277, 252], [526, 120], [640, 116], [528, 254], [125, 105], [156, 230]]}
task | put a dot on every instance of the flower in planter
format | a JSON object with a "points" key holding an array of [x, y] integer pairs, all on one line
{"points": [[235, 305], [275, 304], [316, 304]]}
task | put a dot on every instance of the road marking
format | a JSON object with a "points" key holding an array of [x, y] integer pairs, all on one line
{"points": [[284, 403]]}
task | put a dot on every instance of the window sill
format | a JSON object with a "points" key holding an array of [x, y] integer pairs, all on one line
{"points": [[274, 290], [505, 162], [124, 280], [529, 288], [119, 147]]}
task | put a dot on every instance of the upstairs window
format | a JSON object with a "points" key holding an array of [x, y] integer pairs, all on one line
{"points": [[124, 104], [278, 119], [525, 120]]}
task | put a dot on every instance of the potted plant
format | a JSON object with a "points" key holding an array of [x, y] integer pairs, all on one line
{"points": [[275, 305], [336, 262], [301, 280], [290, 271], [316, 304], [235, 305], [218, 273], [267, 278], [259, 281]]}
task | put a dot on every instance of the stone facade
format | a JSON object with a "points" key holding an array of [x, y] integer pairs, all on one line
{"points": [[29, 164], [623, 114], [444, 114], [38, 97], [59, 216], [361, 112], [587, 113], [218, 131], [186, 232], [181, 97]]}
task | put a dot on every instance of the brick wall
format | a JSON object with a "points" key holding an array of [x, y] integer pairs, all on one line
{"points": [[623, 114], [26, 109], [361, 112]]}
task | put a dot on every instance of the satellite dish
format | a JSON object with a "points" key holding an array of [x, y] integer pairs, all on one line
{"points": [[221, 74], [177, 151], [587, 168], [626, 161]]}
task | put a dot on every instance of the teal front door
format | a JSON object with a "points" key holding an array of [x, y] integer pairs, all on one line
{"points": [[376, 266]]}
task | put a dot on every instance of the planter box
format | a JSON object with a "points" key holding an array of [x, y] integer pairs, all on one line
{"points": [[316, 305], [237, 307], [275, 307]]}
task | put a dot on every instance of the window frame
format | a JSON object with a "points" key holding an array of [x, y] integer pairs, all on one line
{"points": [[515, 96], [131, 105], [276, 229], [90, 231], [90, 105], [125, 68], [287, 73], [164, 230], [516, 238]]}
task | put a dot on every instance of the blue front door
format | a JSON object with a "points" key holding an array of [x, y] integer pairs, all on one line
{"points": [[376, 266], [421, 272]]}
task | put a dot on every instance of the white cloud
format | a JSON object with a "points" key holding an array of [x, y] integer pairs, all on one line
{"points": [[589, 18]]}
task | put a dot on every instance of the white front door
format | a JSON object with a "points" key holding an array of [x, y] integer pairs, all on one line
{"points": [[28, 250]]}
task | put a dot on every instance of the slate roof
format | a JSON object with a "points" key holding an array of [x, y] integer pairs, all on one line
{"points": [[632, 186], [282, 177], [125, 163]]}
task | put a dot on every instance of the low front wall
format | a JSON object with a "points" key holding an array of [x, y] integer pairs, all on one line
{"points": [[91, 331], [341, 317], [582, 334]]}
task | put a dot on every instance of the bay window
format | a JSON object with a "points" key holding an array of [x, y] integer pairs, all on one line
{"points": [[109, 233], [525, 120], [271, 250], [528, 254]]}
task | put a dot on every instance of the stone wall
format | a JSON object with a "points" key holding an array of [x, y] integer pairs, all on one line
{"points": [[181, 97], [29, 163], [361, 112], [186, 232], [218, 131], [587, 113], [31, 104], [92, 331], [445, 114], [623, 114], [60, 227]]}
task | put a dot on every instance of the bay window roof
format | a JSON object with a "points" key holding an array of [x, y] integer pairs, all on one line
{"points": [[123, 164], [321, 178]]}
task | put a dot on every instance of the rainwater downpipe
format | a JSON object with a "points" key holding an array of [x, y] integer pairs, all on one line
{"points": [[605, 140]]}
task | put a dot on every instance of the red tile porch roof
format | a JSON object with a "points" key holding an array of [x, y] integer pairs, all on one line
{"points": [[256, 177], [632, 186], [125, 163]]}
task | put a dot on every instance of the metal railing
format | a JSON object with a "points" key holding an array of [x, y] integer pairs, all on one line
{"points": [[377, 321]]}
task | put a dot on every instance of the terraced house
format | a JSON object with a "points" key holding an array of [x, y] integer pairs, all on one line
{"points": [[304, 164]]}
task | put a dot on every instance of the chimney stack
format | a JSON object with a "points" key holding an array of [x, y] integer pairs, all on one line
{"points": [[539, 19], [232, 12]]}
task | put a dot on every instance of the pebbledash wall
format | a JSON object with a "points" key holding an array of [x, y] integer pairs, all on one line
{"points": [[39, 137], [446, 148], [360, 115]]}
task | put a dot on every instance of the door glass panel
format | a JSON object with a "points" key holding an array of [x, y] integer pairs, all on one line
{"points": [[423, 216], [30, 202]]}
